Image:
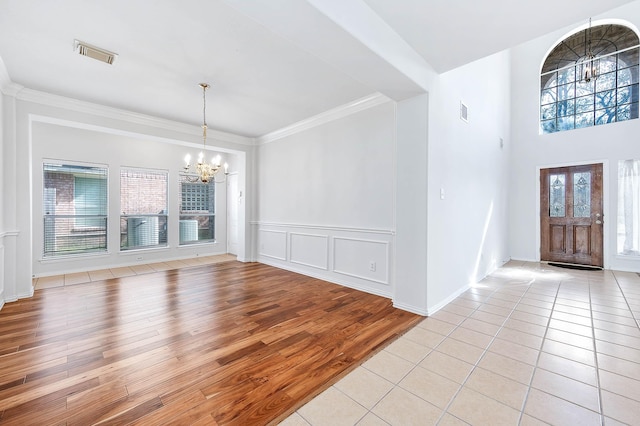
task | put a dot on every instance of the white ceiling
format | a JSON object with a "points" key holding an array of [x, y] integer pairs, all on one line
{"points": [[270, 63]]}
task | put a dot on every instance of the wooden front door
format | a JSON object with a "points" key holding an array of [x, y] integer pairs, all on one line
{"points": [[571, 215]]}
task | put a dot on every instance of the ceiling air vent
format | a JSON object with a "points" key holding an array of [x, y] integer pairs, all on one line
{"points": [[102, 55]]}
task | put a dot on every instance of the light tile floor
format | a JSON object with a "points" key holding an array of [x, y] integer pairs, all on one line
{"points": [[531, 344], [85, 277]]}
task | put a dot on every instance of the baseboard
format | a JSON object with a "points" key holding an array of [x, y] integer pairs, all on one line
{"points": [[433, 309], [331, 278], [410, 308]]}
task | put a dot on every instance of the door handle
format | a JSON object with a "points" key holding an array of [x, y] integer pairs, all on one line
{"points": [[598, 221]]}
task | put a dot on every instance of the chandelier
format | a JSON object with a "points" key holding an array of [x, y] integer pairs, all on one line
{"points": [[589, 64], [205, 172]]}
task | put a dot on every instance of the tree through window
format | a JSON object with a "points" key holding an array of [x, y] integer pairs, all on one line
{"points": [[569, 102]]}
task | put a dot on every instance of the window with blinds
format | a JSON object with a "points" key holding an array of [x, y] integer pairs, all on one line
{"points": [[75, 201], [197, 212], [143, 206]]}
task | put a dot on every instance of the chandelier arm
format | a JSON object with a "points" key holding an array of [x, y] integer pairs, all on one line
{"points": [[191, 179]]}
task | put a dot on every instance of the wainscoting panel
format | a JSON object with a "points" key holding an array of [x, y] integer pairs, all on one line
{"points": [[273, 244], [353, 257], [309, 250], [361, 258]]}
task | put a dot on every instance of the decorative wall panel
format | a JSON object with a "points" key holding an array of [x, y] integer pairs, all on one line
{"points": [[309, 249]]}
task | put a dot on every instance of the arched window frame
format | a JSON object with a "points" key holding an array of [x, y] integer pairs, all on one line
{"points": [[567, 103]]}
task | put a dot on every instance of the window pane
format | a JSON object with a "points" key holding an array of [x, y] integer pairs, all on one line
{"points": [[584, 120], [582, 194], [606, 82], [556, 195], [566, 108], [623, 113], [567, 91], [634, 92], [143, 205], [628, 58], [628, 223], [604, 116], [584, 88], [624, 95], [197, 212], [608, 65], [627, 112], [567, 75], [548, 126], [548, 96], [605, 99], [566, 123], [548, 111], [634, 110], [75, 209], [628, 76], [548, 80], [584, 104]]}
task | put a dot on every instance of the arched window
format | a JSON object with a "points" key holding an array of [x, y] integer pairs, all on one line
{"points": [[571, 97]]}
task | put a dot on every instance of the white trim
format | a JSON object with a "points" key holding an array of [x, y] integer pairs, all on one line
{"points": [[9, 234], [326, 227], [410, 308], [5, 80], [432, 310], [43, 98], [325, 117], [332, 279], [134, 263], [36, 118]]}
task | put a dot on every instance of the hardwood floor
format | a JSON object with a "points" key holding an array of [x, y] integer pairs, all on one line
{"points": [[229, 343]]}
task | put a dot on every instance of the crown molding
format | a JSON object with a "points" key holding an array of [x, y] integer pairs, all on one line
{"points": [[325, 117], [5, 80], [48, 99]]}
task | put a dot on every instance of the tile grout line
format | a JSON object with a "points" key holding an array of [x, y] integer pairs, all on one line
{"points": [[595, 356], [535, 367], [485, 350], [417, 364], [636, 320]]}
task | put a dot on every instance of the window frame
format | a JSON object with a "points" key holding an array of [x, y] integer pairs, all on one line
{"points": [[187, 217], [159, 221], [53, 245], [585, 94]]}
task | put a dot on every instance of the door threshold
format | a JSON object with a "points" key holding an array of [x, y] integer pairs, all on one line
{"points": [[575, 266]]}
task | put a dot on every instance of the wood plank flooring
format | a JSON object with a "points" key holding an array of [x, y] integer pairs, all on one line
{"points": [[229, 344]]}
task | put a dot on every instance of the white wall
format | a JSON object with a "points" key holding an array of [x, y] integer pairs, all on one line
{"points": [[468, 230], [38, 125], [2, 228], [326, 200], [9, 230], [412, 128], [531, 151]]}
